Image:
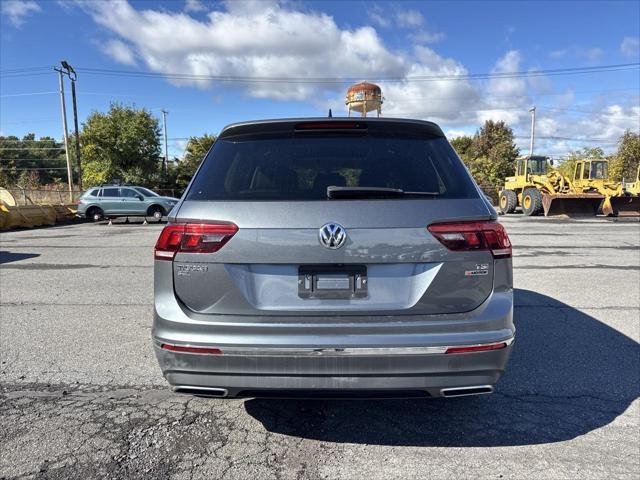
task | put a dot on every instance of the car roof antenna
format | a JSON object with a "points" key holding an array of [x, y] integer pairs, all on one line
{"points": [[330, 114]]}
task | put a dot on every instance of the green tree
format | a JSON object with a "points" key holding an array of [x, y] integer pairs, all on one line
{"points": [[123, 143], [568, 165], [197, 148], [624, 164], [462, 146], [491, 155], [28, 160]]}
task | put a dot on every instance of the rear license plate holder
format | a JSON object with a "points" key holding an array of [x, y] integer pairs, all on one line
{"points": [[334, 282]]}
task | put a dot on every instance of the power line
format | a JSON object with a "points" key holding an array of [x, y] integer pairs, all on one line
{"points": [[26, 94], [3, 140], [34, 120], [26, 74], [23, 69], [41, 168], [572, 139], [597, 112], [351, 78], [59, 159], [31, 148]]}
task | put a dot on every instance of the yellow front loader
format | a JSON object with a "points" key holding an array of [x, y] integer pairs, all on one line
{"points": [[592, 176], [537, 189], [634, 188]]}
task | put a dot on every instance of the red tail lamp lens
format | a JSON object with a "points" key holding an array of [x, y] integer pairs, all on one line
{"points": [[193, 238], [477, 348], [473, 236], [189, 349]]}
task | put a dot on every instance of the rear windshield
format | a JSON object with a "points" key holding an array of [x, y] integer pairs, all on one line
{"points": [[301, 168]]}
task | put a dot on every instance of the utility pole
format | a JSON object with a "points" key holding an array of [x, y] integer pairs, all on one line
{"points": [[166, 152], [532, 110], [73, 76], [65, 134]]}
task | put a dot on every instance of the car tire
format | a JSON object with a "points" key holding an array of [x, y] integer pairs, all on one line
{"points": [[508, 201], [532, 202], [95, 214], [156, 212]]}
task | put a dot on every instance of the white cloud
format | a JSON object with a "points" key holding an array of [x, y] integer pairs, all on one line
{"points": [[450, 102], [403, 18], [452, 133], [194, 6], [610, 123], [18, 10], [409, 19], [273, 39], [263, 39], [558, 53], [119, 51], [377, 16], [592, 54], [423, 36], [506, 98], [539, 83], [630, 47]]}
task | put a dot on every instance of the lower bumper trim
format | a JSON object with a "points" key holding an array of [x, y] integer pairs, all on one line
{"points": [[331, 352]]}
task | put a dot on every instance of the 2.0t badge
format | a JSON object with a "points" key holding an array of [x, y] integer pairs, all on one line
{"points": [[332, 235]]}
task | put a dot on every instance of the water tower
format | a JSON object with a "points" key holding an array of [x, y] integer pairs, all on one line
{"points": [[364, 97]]}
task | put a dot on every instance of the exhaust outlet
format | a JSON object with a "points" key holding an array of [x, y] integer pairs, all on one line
{"points": [[202, 391], [464, 391]]}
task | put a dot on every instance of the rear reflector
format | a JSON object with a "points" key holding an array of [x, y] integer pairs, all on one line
{"points": [[188, 349], [331, 125], [477, 348], [192, 238], [473, 236]]}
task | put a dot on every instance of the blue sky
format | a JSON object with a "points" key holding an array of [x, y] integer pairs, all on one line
{"points": [[394, 42]]}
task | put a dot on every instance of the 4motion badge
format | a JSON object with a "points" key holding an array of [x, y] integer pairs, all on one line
{"points": [[481, 269]]}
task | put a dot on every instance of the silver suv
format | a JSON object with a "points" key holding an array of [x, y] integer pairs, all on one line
{"points": [[333, 257], [111, 201]]}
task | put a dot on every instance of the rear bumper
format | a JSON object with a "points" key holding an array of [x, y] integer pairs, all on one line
{"points": [[263, 354], [388, 374]]}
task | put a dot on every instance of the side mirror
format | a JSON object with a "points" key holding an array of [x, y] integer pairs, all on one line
{"points": [[140, 197], [550, 161]]}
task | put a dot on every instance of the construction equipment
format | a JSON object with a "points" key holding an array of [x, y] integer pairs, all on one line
{"points": [[21, 216], [537, 189], [592, 176], [634, 188]]}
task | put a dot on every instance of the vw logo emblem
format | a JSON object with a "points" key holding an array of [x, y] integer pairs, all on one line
{"points": [[332, 235]]}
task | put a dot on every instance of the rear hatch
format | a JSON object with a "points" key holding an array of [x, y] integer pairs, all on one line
{"points": [[331, 217]]}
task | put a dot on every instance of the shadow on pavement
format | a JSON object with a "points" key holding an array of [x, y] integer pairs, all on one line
{"points": [[8, 257], [568, 374]]}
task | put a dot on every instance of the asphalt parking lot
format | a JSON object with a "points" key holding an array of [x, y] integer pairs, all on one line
{"points": [[81, 395]]}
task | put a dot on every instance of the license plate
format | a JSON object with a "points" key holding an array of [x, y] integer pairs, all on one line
{"points": [[332, 281]]}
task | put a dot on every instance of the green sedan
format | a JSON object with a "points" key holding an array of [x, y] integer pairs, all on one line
{"points": [[110, 201]]}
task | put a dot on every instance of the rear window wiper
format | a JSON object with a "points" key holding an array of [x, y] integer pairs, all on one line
{"points": [[334, 192]]}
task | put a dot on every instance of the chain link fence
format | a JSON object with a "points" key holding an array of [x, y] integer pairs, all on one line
{"points": [[490, 189], [58, 195]]}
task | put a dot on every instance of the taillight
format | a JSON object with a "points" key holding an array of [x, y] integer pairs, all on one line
{"points": [[192, 238], [477, 348], [190, 349], [473, 236]]}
